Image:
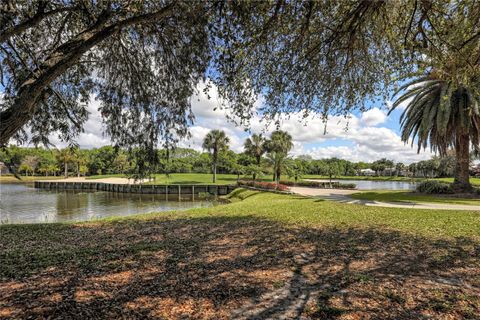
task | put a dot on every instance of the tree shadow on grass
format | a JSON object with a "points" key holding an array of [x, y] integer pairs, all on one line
{"points": [[231, 267]]}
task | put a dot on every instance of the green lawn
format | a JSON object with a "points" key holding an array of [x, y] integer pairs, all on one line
{"points": [[24, 179], [473, 181], [193, 178], [407, 196], [260, 255]]}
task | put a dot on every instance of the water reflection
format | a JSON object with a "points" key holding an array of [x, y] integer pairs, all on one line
{"points": [[20, 203]]}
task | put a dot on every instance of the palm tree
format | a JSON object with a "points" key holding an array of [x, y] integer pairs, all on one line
{"points": [[215, 141], [80, 159], [278, 146], [255, 147], [65, 156], [443, 114], [399, 167]]}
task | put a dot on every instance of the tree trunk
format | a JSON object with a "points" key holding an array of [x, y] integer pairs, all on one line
{"points": [[461, 182], [66, 170], [214, 172], [78, 170], [59, 61]]}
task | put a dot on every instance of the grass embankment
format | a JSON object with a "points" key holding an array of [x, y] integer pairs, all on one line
{"points": [[263, 255], [407, 196], [25, 179]]}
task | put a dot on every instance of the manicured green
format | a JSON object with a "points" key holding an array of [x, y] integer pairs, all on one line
{"points": [[407, 196]]}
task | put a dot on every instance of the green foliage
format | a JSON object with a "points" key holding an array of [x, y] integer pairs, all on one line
{"points": [[278, 147], [216, 143], [434, 187], [443, 114]]}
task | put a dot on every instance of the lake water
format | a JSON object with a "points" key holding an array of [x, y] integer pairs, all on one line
{"points": [[381, 185], [21, 203]]}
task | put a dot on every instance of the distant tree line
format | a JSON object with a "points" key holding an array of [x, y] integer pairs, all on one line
{"points": [[261, 156]]}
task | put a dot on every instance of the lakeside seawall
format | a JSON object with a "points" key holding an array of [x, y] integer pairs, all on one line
{"points": [[137, 188]]}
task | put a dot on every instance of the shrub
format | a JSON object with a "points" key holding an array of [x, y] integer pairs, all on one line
{"points": [[311, 184], [434, 187], [347, 185], [263, 185]]}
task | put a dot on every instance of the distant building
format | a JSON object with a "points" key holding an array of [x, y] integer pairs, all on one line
{"points": [[367, 172]]}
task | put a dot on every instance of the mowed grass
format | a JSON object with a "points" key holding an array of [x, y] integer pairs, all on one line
{"points": [[407, 196], [473, 180], [262, 255], [26, 179]]}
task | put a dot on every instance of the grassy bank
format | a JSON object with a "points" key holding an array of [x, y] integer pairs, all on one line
{"points": [[262, 255], [25, 179], [407, 196]]}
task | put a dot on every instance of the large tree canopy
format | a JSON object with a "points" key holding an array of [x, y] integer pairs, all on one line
{"points": [[144, 59]]}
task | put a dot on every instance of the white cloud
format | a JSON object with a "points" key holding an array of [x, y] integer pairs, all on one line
{"points": [[356, 138], [373, 117]]}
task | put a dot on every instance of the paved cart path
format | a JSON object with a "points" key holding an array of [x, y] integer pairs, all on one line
{"points": [[342, 195]]}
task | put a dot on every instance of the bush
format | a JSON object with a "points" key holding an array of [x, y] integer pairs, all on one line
{"points": [[434, 187], [311, 184], [263, 185], [347, 185]]}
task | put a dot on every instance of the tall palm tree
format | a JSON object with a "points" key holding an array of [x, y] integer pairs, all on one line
{"points": [[65, 156], [278, 146], [215, 141], [79, 158], [443, 114], [255, 147]]}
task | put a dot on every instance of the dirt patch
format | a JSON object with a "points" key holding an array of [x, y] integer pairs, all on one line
{"points": [[222, 268]]}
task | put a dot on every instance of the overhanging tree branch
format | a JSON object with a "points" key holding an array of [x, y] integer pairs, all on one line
{"points": [[65, 56]]}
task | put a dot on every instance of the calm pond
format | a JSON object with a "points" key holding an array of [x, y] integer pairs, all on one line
{"points": [[21, 203], [381, 185]]}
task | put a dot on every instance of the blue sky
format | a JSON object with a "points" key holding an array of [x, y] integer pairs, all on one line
{"points": [[370, 135]]}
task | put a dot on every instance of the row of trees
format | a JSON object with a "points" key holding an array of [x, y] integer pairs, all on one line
{"points": [[261, 155]]}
